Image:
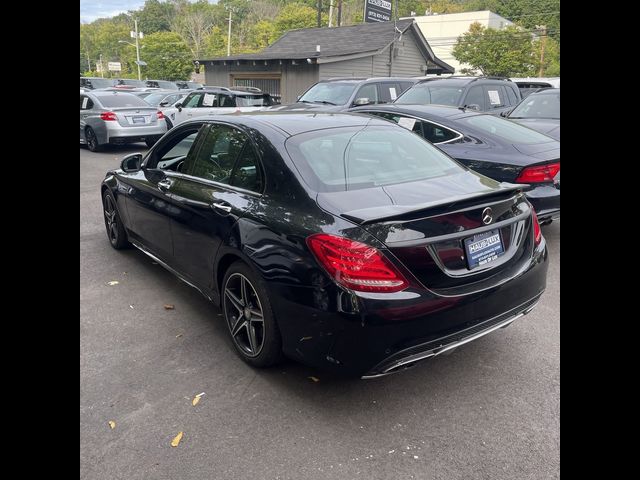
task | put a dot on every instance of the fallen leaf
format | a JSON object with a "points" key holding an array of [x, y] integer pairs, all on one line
{"points": [[168, 306], [176, 440], [131, 307], [112, 424], [195, 401], [315, 379], [305, 338], [178, 335], [113, 282]]}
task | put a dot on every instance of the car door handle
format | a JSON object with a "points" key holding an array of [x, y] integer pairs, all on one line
{"points": [[221, 206], [165, 184], [85, 116]]}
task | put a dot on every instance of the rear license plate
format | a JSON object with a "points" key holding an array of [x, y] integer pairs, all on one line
{"points": [[483, 248], [138, 119]]}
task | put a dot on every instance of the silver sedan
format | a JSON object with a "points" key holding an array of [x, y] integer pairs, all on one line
{"points": [[109, 117]]}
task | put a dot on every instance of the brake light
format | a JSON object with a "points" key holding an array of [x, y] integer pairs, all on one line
{"points": [[537, 233], [108, 116], [355, 265], [160, 115], [539, 173]]}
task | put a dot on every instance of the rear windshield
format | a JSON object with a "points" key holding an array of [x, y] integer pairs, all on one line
{"points": [[352, 158], [122, 100], [332, 93], [252, 101], [510, 131], [424, 93], [541, 105]]}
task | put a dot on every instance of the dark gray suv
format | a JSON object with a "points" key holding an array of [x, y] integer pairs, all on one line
{"points": [[336, 94], [492, 95]]}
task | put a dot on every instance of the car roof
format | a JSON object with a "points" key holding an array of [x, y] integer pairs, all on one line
{"points": [[227, 90], [293, 123], [442, 111], [368, 79], [461, 80]]}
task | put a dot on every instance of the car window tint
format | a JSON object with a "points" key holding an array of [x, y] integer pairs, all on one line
{"points": [[368, 91], [218, 153], [409, 123], [475, 96], [247, 172], [437, 134], [353, 158], [494, 97], [388, 92], [85, 103], [225, 101], [505, 129], [176, 152], [192, 100], [511, 95]]}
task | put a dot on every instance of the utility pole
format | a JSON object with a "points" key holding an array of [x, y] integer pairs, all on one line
{"points": [[543, 42], [135, 23], [229, 36], [319, 13], [101, 67], [88, 61], [330, 12]]}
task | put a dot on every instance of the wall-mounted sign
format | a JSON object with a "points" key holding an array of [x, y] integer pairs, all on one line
{"points": [[377, 11]]}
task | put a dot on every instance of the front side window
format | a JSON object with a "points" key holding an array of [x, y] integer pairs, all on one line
{"points": [[353, 158], [173, 152], [369, 92], [193, 100], [332, 93], [475, 96]]}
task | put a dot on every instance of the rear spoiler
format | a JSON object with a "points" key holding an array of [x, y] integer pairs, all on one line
{"points": [[363, 216]]}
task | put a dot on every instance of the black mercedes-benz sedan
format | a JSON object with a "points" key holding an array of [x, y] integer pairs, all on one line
{"points": [[497, 148], [342, 241]]}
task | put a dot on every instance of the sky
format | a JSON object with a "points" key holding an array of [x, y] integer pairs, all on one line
{"points": [[93, 9]]}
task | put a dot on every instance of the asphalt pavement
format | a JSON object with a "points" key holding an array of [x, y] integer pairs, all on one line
{"points": [[489, 410]]}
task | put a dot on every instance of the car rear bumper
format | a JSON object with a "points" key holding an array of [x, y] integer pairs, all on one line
{"points": [[118, 134], [375, 335], [546, 201]]}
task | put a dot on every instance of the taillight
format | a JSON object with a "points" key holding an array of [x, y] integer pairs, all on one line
{"points": [[160, 115], [355, 265], [539, 173], [109, 116], [537, 233]]}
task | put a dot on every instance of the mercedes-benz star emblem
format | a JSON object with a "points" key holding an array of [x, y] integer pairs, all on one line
{"points": [[487, 216]]}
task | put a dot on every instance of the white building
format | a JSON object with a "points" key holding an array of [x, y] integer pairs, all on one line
{"points": [[442, 31]]}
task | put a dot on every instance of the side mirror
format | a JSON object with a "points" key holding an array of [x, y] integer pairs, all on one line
{"points": [[298, 98], [504, 113], [164, 104], [362, 101], [473, 106], [131, 163], [178, 106]]}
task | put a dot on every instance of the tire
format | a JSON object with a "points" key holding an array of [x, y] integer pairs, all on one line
{"points": [[116, 233], [263, 348], [151, 141], [92, 140]]}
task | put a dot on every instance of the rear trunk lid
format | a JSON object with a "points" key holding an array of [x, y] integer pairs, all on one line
{"points": [[136, 117], [457, 234]]}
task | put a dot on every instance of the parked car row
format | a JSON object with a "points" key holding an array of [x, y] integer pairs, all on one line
{"points": [[92, 83]]}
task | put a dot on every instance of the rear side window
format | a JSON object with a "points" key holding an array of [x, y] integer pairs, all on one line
{"points": [[353, 158], [505, 129], [122, 100], [388, 92], [436, 133], [227, 156], [494, 96], [511, 95], [85, 103]]}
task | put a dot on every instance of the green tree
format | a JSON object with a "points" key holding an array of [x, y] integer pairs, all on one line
{"points": [[168, 57], [261, 34], [215, 44], [155, 16], [193, 22], [294, 16], [508, 52]]}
